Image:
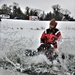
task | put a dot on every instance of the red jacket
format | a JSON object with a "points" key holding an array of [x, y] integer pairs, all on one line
{"points": [[50, 36]]}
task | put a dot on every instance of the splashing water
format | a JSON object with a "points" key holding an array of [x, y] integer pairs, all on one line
{"points": [[38, 64]]}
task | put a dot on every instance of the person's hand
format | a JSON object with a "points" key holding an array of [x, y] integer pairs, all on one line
{"points": [[53, 39], [56, 51], [46, 38]]}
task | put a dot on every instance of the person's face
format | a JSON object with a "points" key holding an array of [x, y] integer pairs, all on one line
{"points": [[52, 27]]}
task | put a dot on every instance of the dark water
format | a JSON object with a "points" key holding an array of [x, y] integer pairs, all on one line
{"points": [[38, 65]]}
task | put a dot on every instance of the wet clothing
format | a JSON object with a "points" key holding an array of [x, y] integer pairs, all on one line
{"points": [[50, 36]]}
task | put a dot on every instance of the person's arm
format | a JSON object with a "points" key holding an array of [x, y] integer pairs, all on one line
{"points": [[42, 37], [58, 35]]}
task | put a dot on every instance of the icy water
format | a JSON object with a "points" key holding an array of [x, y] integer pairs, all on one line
{"points": [[17, 36], [9, 72], [17, 63]]}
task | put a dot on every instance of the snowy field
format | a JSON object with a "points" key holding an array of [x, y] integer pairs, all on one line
{"points": [[21, 34], [18, 35]]}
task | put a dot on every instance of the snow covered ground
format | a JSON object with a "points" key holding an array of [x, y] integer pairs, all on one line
{"points": [[18, 35]]}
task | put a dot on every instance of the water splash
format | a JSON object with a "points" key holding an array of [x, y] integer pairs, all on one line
{"points": [[38, 64]]}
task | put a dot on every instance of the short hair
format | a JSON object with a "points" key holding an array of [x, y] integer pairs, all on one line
{"points": [[52, 22]]}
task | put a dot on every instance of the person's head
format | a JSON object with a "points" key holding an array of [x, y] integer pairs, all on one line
{"points": [[53, 24]]}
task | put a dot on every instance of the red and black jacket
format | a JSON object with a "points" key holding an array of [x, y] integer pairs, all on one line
{"points": [[49, 35]]}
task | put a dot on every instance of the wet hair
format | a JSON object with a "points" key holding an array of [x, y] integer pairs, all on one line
{"points": [[52, 22]]}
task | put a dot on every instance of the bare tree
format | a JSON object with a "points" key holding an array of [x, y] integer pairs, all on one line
{"points": [[5, 9], [15, 4], [67, 12], [56, 8]]}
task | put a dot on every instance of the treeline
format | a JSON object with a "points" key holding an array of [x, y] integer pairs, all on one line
{"points": [[14, 10]]}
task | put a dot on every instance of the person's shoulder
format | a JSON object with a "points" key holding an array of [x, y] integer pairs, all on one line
{"points": [[46, 30], [56, 29]]}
